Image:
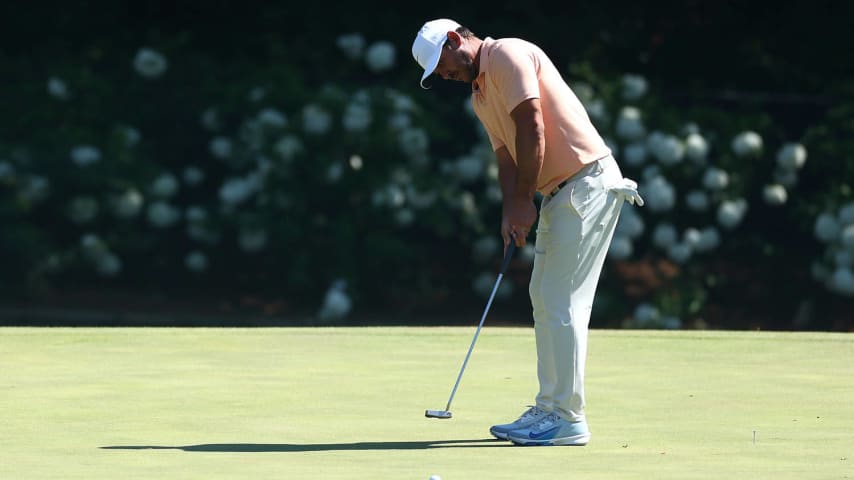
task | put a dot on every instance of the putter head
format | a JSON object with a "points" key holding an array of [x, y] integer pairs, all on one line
{"points": [[437, 414]]}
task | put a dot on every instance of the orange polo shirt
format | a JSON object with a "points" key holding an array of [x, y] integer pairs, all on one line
{"points": [[514, 70]]}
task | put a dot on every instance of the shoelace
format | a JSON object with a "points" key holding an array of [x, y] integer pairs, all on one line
{"points": [[531, 412], [547, 421]]}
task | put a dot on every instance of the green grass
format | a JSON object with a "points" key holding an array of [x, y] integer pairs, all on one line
{"points": [[348, 403]]}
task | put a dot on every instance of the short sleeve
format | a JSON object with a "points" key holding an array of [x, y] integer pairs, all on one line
{"points": [[515, 72]]}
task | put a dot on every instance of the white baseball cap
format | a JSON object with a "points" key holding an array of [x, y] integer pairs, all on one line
{"points": [[427, 47]]}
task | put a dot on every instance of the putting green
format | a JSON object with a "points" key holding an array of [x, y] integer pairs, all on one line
{"points": [[348, 403]]}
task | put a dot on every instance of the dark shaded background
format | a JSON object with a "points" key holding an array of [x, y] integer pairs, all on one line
{"points": [[792, 60]]}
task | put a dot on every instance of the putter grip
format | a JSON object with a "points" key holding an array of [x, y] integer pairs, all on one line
{"points": [[508, 256]]}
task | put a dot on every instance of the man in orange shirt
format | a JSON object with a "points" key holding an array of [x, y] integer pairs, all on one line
{"points": [[544, 142]]}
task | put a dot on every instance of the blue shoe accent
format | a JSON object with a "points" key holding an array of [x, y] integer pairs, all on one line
{"points": [[552, 430], [528, 418]]}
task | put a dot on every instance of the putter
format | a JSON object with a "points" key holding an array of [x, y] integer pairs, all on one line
{"points": [[446, 413]]}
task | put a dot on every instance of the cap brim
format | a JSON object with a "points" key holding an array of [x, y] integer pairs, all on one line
{"points": [[432, 63]]}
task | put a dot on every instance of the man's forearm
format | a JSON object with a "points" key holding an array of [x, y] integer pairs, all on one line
{"points": [[530, 146], [529, 162]]}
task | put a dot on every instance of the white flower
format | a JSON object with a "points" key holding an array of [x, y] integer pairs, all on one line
{"points": [[288, 147], [221, 147], [193, 175], [528, 253], [842, 281], [680, 252], [747, 144], [621, 248], [696, 147], [469, 168], [774, 194], [635, 154], [659, 194], [83, 209], [691, 236], [792, 156], [786, 177], [731, 212], [846, 213], [664, 236], [162, 215], [597, 110], [210, 119], [130, 134], [203, 233], [404, 217], [356, 162], [336, 302], [402, 102], [668, 149], [399, 121], [150, 63], [485, 282], [584, 91], [846, 237], [272, 118], [715, 179], [413, 141], [380, 56], [826, 227], [843, 258], [164, 186], [128, 204], [85, 155], [689, 128], [196, 261], [352, 44], [316, 120], [334, 172], [629, 124], [108, 264], [646, 315], [236, 190], [195, 214], [630, 223], [485, 248], [35, 188], [92, 244], [256, 94], [709, 240], [697, 200], [57, 88], [252, 239], [420, 200], [7, 171], [634, 86], [357, 117]]}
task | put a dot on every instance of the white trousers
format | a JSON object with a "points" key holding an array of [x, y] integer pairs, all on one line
{"points": [[574, 232]]}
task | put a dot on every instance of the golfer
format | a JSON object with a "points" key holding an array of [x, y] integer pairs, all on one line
{"points": [[544, 142]]}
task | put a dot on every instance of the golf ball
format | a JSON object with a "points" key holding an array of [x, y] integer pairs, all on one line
{"points": [[435, 477]]}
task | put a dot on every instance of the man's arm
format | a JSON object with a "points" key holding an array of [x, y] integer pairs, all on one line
{"points": [[520, 213]]}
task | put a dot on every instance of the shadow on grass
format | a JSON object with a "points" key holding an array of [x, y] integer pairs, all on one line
{"points": [[319, 447]]}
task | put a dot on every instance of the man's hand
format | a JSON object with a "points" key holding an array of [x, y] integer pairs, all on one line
{"points": [[519, 216]]}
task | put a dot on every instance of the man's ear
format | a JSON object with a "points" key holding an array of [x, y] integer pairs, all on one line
{"points": [[454, 40]]}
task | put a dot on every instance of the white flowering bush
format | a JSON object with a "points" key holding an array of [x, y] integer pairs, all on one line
{"points": [[351, 189], [268, 186], [725, 212]]}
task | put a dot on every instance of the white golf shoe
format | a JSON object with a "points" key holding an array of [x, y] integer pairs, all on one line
{"points": [[552, 430], [528, 418]]}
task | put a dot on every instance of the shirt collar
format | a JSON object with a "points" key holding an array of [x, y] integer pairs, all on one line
{"points": [[485, 49]]}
